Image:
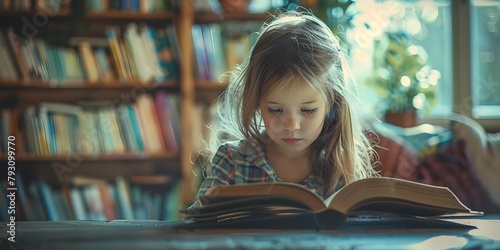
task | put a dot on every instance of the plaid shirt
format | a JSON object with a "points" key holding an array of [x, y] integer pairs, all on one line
{"points": [[242, 162]]}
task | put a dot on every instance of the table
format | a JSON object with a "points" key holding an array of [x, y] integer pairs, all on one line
{"points": [[358, 234]]}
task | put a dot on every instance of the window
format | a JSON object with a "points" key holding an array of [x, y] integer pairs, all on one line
{"points": [[485, 58], [461, 40]]}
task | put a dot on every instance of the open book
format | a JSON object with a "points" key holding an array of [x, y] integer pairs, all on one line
{"points": [[380, 196]]}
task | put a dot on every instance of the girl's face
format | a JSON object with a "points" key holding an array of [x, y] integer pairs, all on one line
{"points": [[293, 116]]}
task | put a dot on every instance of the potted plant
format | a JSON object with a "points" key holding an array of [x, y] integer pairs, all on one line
{"points": [[403, 79]]}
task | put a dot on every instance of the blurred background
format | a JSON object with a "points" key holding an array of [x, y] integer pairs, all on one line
{"points": [[113, 96]]}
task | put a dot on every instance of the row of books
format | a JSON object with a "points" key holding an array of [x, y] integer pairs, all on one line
{"points": [[143, 53], [142, 6], [219, 48], [138, 53], [93, 199], [35, 5], [149, 125]]}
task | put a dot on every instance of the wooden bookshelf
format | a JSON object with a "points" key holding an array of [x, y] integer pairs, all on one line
{"points": [[130, 16], [210, 17], [17, 14], [167, 156], [99, 166], [22, 94], [202, 85], [200, 91], [68, 86], [177, 164]]}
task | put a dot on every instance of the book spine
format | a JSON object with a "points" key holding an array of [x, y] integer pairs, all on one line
{"points": [[117, 54], [89, 62], [15, 46]]}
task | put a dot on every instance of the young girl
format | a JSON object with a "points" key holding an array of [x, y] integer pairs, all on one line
{"points": [[290, 109]]}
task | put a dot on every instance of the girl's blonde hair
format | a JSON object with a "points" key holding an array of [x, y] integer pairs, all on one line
{"points": [[298, 44]]}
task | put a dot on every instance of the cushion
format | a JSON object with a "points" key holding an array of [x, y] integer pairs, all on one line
{"points": [[425, 139], [452, 168], [394, 157], [483, 151]]}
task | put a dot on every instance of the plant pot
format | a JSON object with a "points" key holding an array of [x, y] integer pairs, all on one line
{"points": [[405, 119]]}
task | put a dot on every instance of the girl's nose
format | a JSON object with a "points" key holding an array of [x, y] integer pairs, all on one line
{"points": [[292, 122]]}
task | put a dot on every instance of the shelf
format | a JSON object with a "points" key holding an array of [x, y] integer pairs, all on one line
{"points": [[53, 169], [30, 13], [23, 93], [40, 85], [210, 17], [97, 158], [130, 16], [210, 85]]}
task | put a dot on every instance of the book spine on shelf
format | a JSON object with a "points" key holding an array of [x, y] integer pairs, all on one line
{"points": [[174, 42], [117, 54], [99, 200], [4, 215], [164, 114], [15, 46], [136, 52], [215, 54], [173, 101], [126, 129], [137, 128], [30, 130], [77, 203], [201, 66], [89, 62], [5, 129], [48, 201], [148, 118], [8, 71], [102, 62]]}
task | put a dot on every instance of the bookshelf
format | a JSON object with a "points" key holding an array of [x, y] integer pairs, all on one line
{"points": [[210, 17], [151, 178], [130, 16], [18, 94], [207, 87]]}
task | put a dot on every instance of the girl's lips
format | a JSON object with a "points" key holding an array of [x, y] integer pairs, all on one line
{"points": [[291, 140]]}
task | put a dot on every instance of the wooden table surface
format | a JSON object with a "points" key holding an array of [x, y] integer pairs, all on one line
{"points": [[356, 234]]}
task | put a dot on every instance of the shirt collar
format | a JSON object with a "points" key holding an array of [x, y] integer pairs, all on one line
{"points": [[255, 153]]}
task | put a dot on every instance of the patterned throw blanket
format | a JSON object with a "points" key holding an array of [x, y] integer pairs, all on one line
{"points": [[449, 167]]}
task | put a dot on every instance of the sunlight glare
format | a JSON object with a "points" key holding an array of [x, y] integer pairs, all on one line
{"points": [[441, 242]]}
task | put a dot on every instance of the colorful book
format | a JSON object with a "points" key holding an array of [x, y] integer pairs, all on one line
{"points": [[89, 62], [123, 198], [47, 200], [78, 204], [163, 109], [154, 142]]}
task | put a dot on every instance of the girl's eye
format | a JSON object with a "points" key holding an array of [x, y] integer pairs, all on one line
{"points": [[309, 111], [275, 111]]}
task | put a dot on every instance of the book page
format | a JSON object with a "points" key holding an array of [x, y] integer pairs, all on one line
{"points": [[289, 190], [329, 199], [386, 192]]}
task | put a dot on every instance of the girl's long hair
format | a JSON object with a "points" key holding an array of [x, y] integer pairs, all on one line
{"points": [[298, 44]]}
